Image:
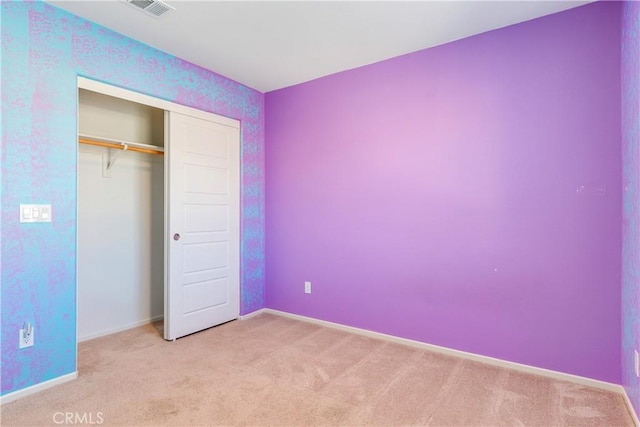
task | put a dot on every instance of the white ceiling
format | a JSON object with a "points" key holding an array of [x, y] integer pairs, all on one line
{"points": [[269, 45]]}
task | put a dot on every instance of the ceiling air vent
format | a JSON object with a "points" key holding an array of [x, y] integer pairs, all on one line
{"points": [[155, 8]]}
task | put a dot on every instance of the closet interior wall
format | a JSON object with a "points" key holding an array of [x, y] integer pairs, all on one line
{"points": [[120, 217]]}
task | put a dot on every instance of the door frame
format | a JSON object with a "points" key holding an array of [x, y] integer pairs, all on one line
{"points": [[140, 98]]}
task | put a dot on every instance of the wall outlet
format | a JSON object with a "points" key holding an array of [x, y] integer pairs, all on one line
{"points": [[636, 363], [307, 287], [26, 338]]}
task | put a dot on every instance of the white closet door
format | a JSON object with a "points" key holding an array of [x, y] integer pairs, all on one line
{"points": [[203, 225]]}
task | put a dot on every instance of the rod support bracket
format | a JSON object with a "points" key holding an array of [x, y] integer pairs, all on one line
{"points": [[112, 159]]}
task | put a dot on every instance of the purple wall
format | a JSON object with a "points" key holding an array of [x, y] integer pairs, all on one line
{"points": [[466, 195], [631, 197]]}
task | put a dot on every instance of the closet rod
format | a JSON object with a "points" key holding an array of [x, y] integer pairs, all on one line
{"points": [[118, 145]]}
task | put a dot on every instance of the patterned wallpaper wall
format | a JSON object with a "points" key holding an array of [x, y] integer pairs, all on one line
{"points": [[631, 197], [44, 49]]}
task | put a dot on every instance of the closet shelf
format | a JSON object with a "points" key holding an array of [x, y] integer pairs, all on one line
{"points": [[121, 145]]}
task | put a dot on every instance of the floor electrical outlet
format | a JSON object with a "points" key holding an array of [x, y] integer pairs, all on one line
{"points": [[26, 336], [307, 287]]}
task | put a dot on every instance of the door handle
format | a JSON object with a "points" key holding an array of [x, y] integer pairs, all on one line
{"points": [[176, 237]]}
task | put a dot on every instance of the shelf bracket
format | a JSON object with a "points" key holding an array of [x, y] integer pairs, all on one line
{"points": [[112, 159]]}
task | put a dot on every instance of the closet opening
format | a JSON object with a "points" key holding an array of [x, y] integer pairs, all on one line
{"points": [[120, 214], [158, 214]]}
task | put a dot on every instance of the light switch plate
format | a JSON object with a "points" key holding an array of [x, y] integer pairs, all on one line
{"points": [[35, 213]]}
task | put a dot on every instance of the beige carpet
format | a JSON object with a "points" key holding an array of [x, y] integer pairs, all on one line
{"points": [[271, 370]]}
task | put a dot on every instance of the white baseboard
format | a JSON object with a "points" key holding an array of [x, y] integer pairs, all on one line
{"points": [[119, 328], [252, 314], [458, 353], [10, 397]]}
